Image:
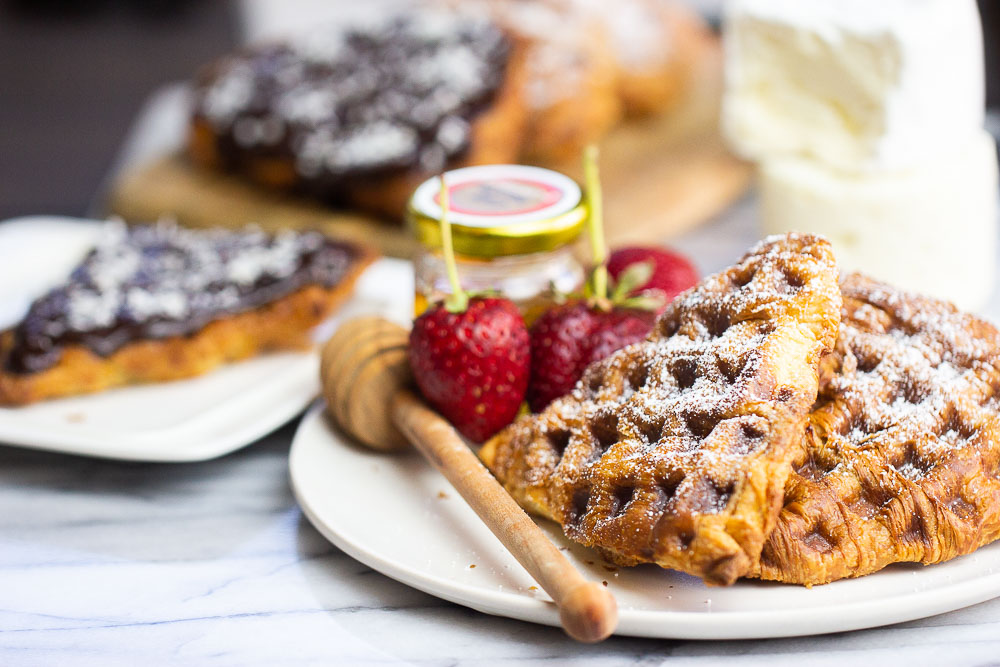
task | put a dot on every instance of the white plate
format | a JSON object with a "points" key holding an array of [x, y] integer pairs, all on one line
{"points": [[397, 515], [186, 420]]}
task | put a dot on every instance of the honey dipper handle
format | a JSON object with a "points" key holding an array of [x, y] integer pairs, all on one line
{"points": [[587, 609]]}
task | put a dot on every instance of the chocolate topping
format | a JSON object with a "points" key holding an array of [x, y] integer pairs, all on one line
{"points": [[159, 281], [366, 100]]}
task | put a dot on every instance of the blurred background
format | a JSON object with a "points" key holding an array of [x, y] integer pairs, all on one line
{"points": [[75, 73]]}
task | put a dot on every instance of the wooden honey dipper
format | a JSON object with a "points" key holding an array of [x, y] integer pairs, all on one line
{"points": [[365, 373]]}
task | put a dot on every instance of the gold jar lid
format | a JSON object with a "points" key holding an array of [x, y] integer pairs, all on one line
{"points": [[503, 209]]}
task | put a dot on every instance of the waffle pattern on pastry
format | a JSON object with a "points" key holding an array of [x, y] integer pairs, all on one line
{"points": [[902, 453], [676, 450]]}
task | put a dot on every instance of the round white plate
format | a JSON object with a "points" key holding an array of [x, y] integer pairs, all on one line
{"points": [[397, 515], [187, 420]]}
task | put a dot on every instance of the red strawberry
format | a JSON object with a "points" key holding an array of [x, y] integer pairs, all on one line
{"points": [[470, 356], [567, 339], [472, 366], [672, 273]]}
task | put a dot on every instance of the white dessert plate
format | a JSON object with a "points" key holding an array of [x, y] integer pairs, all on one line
{"points": [[397, 515], [186, 420]]}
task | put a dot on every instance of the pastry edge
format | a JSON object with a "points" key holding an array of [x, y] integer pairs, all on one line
{"points": [[281, 324]]}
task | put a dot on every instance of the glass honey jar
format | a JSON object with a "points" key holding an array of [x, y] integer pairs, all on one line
{"points": [[513, 228]]}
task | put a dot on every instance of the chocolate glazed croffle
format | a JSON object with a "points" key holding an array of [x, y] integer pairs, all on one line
{"points": [[156, 303], [360, 114]]}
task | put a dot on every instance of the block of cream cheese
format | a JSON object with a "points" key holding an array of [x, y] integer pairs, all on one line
{"points": [[930, 229], [854, 83]]}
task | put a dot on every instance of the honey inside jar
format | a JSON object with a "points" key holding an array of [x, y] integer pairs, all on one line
{"points": [[513, 228]]}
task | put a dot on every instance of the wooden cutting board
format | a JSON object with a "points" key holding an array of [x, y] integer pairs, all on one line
{"points": [[661, 176]]}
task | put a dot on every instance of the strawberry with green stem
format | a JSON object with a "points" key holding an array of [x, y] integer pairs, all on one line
{"points": [[568, 338], [470, 354]]}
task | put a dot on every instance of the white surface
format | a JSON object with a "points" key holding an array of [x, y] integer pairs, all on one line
{"points": [[852, 83], [410, 533], [185, 420], [931, 229]]}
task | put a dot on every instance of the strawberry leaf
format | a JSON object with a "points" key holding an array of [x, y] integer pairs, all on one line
{"points": [[558, 296], [645, 301], [632, 278]]}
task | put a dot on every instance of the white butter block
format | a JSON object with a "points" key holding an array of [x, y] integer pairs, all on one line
{"points": [[853, 83], [930, 229]]}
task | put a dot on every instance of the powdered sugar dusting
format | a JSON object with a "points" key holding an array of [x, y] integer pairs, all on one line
{"points": [[908, 365], [388, 93], [671, 428], [637, 29], [901, 461], [163, 280]]}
